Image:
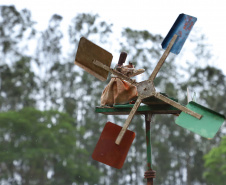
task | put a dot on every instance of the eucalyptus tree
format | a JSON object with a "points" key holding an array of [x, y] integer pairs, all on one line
{"points": [[48, 54], [16, 30], [18, 86], [40, 147]]}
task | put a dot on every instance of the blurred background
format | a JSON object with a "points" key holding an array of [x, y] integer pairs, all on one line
{"points": [[48, 124]]}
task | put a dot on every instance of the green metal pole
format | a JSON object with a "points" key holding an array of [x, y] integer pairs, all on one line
{"points": [[148, 139], [149, 174]]}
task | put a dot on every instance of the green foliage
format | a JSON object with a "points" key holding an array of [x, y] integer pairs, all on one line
{"points": [[215, 163], [41, 148], [18, 85]]}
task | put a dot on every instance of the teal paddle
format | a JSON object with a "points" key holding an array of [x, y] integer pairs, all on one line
{"points": [[207, 126]]}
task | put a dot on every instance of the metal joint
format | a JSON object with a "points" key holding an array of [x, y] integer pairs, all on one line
{"points": [[150, 174], [145, 89]]}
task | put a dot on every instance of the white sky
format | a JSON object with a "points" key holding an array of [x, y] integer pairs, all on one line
{"points": [[154, 16]]}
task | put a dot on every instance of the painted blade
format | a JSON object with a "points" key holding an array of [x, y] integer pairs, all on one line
{"points": [[109, 153], [182, 27], [207, 126]]}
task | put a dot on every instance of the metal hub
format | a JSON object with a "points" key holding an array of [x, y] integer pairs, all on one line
{"points": [[145, 89]]}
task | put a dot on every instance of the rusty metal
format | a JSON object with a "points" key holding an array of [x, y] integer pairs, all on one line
{"points": [[149, 174], [148, 139], [109, 153]]}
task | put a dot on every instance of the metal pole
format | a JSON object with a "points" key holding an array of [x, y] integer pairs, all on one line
{"points": [[149, 174]]}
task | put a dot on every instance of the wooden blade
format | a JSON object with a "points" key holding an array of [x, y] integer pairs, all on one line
{"points": [[128, 120], [163, 58], [114, 72], [87, 52], [177, 105]]}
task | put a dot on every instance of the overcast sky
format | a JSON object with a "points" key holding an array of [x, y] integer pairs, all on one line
{"points": [[154, 16]]}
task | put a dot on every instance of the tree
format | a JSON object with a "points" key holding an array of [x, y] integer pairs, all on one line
{"points": [[18, 85], [212, 81], [215, 163], [41, 148], [49, 54], [17, 79], [16, 29]]}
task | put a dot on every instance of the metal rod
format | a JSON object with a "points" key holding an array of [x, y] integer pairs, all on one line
{"points": [[149, 174], [148, 139]]}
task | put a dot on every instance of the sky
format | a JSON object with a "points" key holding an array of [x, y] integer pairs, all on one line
{"points": [[156, 16]]}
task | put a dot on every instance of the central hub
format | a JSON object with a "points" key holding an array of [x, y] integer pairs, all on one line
{"points": [[145, 89]]}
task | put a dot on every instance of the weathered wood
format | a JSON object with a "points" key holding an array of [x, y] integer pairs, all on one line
{"points": [[87, 52], [114, 72], [162, 59], [145, 89], [177, 105], [128, 120], [153, 100]]}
